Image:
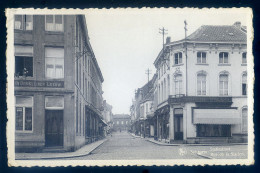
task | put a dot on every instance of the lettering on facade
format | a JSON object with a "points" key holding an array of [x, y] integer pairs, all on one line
{"points": [[32, 83], [200, 99]]}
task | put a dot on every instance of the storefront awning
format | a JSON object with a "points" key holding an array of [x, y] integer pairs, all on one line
{"points": [[216, 116]]}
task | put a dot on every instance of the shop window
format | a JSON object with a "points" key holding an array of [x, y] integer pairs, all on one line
{"points": [[201, 84], [244, 84], [244, 58], [178, 58], [244, 120], [23, 22], [201, 57], [54, 102], [54, 63], [209, 130], [178, 84], [54, 23], [23, 113], [223, 58], [24, 61], [223, 84]]}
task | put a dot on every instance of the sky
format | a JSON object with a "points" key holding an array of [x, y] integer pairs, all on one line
{"points": [[127, 42]]}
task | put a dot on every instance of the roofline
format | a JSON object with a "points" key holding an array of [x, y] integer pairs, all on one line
{"points": [[82, 17]]}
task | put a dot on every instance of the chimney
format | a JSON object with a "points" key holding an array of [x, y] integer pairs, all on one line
{"points": [[168, 40], [237, 25]]}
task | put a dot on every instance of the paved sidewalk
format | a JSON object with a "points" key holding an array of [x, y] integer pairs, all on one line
{"points": [[87, 149]]}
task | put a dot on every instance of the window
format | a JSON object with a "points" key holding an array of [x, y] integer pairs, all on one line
{"points": [[223, 85], [223, 58], [23, 61], [244, 60], [54, 102], [23, 113], [244, 120], [54, 63], [117, 122], [23, 22], [201, 57], [178, 58], [54, 23], [208, 130], [244, 84], [201, 84], [122, 122], [178, 84]]}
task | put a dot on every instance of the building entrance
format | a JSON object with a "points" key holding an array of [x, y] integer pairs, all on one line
{"points": [[53, 128], [178, 124]]}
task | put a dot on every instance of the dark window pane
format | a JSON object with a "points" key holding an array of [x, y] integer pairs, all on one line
{"points": [[176, 58], [28, 118], [180, 55], [19, 118], [24, 66], [204, 54], [244, 88], [58, 19], [49, 18], [28, 64], [18, 22], [19, 66]]}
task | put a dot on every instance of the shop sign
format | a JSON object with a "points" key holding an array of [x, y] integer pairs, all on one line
{"points": [[34, 83], [199, 99]]}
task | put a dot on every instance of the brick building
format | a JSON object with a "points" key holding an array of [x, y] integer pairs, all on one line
{"points": [[121, 122], [58, 84]]}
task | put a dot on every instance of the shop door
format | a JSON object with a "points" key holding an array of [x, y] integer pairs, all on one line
{"points": [[178, 127], [53, 128]]}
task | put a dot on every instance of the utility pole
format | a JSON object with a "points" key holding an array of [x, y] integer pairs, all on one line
{"points": [[163, 31], [148, 72]]}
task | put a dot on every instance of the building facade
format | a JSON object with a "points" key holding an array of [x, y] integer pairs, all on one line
{"points": [[107, 116], [58, 83], [121, 122], [202, 87]]}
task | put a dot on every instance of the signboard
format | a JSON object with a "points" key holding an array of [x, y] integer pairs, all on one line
{"points": [[33, 83], [199, 99]]}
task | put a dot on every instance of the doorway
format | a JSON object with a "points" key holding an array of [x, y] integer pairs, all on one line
{"points": [[53, 128], [178, 124]]}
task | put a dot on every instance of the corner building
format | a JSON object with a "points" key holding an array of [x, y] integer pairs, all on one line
{"points": [[58, 84], [202, 87]]}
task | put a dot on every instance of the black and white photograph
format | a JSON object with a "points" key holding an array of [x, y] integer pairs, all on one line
{"points": [[107, 87]]}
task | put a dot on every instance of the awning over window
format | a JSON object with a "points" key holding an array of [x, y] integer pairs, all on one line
{"points": [[216, 116]]}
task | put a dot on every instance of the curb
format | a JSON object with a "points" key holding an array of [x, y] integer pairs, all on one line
{"points": [[63, 157], [162, 143]]}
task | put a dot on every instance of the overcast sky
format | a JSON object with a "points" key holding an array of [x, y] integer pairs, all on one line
{"points": [[126, 43]]}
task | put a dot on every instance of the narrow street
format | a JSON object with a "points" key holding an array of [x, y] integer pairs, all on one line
{"points": [[123, 146]]}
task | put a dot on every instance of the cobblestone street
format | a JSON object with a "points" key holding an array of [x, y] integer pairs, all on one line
{"points": [[123, 146]]}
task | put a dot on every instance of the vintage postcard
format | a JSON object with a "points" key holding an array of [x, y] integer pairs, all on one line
{"points": [[150, 86]]}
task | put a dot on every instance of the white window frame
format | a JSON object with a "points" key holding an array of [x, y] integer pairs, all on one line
{"points": [[54, 108], [23, 23], [201, 62], [23, 107], [201, 88], [179, 82], [54, 23], [54, 65], [178, 53], [223, 60], [229, 84]]}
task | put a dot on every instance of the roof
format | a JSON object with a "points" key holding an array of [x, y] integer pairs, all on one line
{"points": [[229, 33], [147, 90]]}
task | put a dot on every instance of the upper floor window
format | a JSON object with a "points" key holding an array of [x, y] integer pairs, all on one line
{"points": [[223, 58], [201, 57], [223, 84], [54, 23], [244, 59], [201, 84], [54, 63], [244, 84], [178, 84], [23, 61], [23, 113], [23, 22], [178, 58], [122, 122]]}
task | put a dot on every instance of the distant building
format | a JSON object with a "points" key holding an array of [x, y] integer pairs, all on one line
{"points": [[107, 115], [58, 84], [121, 122]]}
